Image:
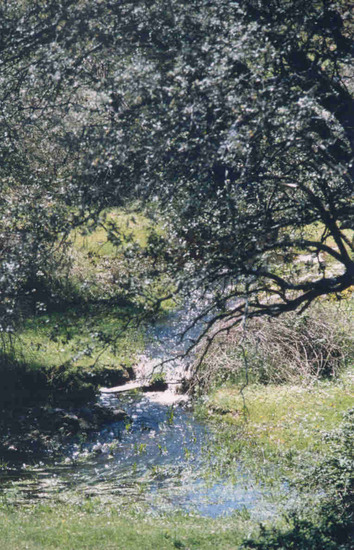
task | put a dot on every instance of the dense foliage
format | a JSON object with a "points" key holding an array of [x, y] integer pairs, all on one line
{"points": [[233, 118]]}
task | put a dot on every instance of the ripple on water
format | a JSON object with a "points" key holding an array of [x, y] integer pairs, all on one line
{"points": [[163, 457]]}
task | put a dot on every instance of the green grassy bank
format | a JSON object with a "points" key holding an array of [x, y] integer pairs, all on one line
{"points": [[283, 419], [67, 355], [319, 470], [79, 327], [91, 526]]}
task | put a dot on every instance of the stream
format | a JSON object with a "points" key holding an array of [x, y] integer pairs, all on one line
{"points": [[161, 457]]}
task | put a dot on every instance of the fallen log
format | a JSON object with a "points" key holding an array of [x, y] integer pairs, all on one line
{"points": [[125, 387]]}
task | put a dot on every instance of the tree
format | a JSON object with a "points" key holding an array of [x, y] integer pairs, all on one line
{"points": [[48, 107], [235, 118], [238, 119]]}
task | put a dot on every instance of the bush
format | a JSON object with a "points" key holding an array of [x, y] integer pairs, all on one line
{"points": [[330, 532], [290, 349], [330, 526]]}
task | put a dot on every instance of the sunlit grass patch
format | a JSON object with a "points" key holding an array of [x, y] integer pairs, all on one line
{"points": [[315, 231], [121, 247], [133, 227], [92, 526], [284, 417], [323, 261], [80, 337]]}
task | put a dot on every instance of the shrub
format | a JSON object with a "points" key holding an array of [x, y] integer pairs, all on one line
{"points": [[290, 349], [330, 525]]}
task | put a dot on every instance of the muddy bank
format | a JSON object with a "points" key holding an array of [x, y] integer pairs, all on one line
{"points": [[35, 433]]}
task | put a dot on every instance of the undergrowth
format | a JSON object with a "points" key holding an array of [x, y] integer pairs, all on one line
{"points": [[291, 349], [327, 523]]}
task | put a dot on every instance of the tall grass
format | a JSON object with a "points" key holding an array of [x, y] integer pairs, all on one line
{"points": [[291, 349]]}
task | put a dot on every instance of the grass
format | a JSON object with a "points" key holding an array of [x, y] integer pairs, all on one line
{"points": [[302, 435], [280, 422], [65, 356], [90, 526], [98, 253], [133, 227], [106, 257], [77, 337], [315, 232]]}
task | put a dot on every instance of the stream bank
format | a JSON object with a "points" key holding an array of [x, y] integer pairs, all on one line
{"points": [[157, 454], [167, 470]]}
